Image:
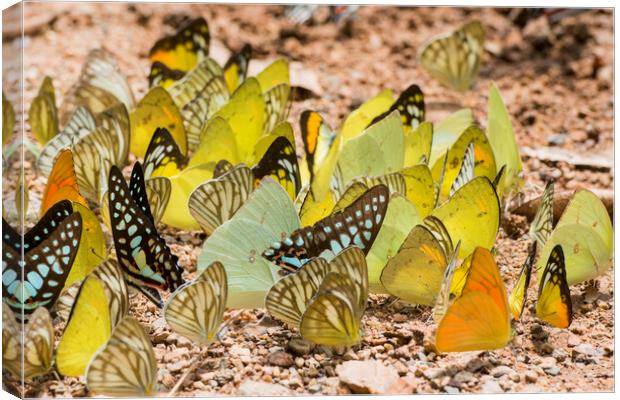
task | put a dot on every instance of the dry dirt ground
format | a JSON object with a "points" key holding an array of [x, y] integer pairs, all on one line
{"points": [[557, 83]]}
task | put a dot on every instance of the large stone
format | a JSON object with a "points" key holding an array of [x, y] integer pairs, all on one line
{"points": [[281, 359], [367, 377]]}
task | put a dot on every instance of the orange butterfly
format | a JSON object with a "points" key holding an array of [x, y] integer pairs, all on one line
{"points": [[62, 183]]}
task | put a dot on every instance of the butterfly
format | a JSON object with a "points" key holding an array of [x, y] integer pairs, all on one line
{"points": [[466, 172], [216, 201], [101, 86], [280, 162], [179, 53], [35, 342], [478, 318], [163, 156], [288, 297], [8, 120], [236, 68], [198, 95], [454, 59], [554, 303], [222, 167], [483, 159], [101, 302], [143, 254], [62, 183], [410, 105], [195, 310], [333, 316], [156, 109], [317, 138], [471, 215], [49, 249], [503, 142], [585, 233], [358, 224], [125, 366], [96, 152], [518, 295], [82, 123], [542, 224], [377, 151], [43, 115], [415, 272]]}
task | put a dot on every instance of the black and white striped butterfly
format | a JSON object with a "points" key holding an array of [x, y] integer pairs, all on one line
{"points": [[49, 250], [146, 259], [358, 224]]}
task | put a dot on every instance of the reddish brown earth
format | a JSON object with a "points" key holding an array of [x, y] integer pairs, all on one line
{"points": [[557, 83]]}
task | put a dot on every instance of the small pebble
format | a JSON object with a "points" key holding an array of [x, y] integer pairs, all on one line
{"points": [[281, 359], [531, 376], [299, 347]]}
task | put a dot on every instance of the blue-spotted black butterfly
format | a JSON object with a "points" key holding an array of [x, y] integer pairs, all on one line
{"points": [[146, 259], [49, 249], [358, 224]]}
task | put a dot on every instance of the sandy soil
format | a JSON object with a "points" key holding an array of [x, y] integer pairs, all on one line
{"points": [[557, 83]]}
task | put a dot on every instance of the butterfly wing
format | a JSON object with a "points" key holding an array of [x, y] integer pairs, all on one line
{"points": [[410, 105], [287, 299], [333, 316], [196, 309], [163, 156], [454, 59], [43, 115], [479, 318], [554, 303], [216, 201], [62, 183], [38, 343], [280, 162], [415, 273], [466, 172], [236, 68], [181, 51], [542, 224], [88, 327], [126, 365], [518, 295], [317, 138]]}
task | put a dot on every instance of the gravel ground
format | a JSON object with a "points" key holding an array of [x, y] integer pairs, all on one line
{"points": [[557, 83]]}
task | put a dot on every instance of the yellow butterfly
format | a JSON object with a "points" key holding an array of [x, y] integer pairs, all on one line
{"points": [[518, 295], [554, 303], [8, 120], [100, 304], [35, 342], [125, 366], [155, 110], [43, 115], [454, 58], [333, 316], [478, 318], [196, 309], [416, 271], [471, 215]]}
